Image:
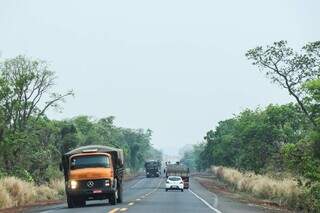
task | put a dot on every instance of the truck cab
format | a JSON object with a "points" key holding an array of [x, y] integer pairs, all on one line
{"points": [[152, 168], [93, 173]]}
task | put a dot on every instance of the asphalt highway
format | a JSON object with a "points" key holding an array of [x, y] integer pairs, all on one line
{"points": [[147, 195]]}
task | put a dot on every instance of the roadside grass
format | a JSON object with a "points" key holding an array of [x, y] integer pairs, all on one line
{"points": [[283, 191], [16, 192]]}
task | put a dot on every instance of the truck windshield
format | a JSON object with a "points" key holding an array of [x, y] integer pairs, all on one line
{"points": [[92, 161]]}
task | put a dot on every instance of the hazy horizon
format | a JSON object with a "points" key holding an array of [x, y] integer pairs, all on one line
{"points": [[176, 67]]}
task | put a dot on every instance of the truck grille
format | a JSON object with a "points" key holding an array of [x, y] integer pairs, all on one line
{"points": [[92, 184]]}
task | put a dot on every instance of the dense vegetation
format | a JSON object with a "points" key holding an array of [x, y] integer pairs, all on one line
{"points": [[277, 138], [31, 144]]}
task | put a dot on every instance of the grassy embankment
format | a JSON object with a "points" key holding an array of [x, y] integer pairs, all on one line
{"points": [[16, 192], [283, 191]]}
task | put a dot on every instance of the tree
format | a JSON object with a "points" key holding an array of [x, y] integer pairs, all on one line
{"points": [[135, 143], [69, 138], [24, 85], [154, 154], [25, 96], [253, 140], [312, 89], [289, 69], [192, 158]]}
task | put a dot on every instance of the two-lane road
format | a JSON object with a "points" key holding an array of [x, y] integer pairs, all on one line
{"points": [[147, 195]]}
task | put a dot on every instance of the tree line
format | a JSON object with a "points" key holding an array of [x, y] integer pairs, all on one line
{"points": [[277, 138], [31, 144]]}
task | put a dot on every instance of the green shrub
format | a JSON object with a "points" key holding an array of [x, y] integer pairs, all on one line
{"points": [[312, 198]]}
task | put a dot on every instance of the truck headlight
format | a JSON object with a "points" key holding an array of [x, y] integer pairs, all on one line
{"points": [[73, 184], [108, 183]]}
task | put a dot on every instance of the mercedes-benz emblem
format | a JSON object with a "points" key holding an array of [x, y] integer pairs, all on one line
{"points": [[90, 184]]}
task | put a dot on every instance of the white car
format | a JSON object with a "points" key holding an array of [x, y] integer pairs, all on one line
{"points": [[174, 183]]}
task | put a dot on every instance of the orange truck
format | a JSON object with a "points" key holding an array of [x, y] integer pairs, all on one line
{"points": [[93, 173]]}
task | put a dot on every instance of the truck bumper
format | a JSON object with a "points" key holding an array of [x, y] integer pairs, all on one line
{"points": [[97, 191], [172, 186], [153, 174], [94, 194]]}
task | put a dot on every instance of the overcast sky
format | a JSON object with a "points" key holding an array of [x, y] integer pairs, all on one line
{"points": [[176, 67]]}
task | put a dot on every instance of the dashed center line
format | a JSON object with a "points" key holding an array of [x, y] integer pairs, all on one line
{"points": [[114, 210], [138, 199]]}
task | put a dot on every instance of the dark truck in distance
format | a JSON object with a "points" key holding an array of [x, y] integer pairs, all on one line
{"points": [[93, 173], [153, 168], [178, 169]]}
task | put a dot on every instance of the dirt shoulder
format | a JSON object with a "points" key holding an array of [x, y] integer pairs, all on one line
{"points": [[216, 186], [29, 206]]}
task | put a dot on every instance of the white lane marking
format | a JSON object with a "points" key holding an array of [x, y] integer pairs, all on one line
{"points": [[205, 202], [137, 183], [215, 199], [215, 204]]}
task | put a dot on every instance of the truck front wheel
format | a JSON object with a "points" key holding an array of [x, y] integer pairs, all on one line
{"points": [[70, 202], [113, 198], [120, 194]]}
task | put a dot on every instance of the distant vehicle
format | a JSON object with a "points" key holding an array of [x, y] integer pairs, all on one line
{"points": [[93, 173], [174, 183], [180, 170], [153, 168]]}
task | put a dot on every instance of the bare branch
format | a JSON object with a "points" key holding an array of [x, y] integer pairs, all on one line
{"points": [[52, 102], [289, 69]]}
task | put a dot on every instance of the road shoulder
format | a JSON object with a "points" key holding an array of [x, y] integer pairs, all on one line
{"points": [[221, 197]]}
